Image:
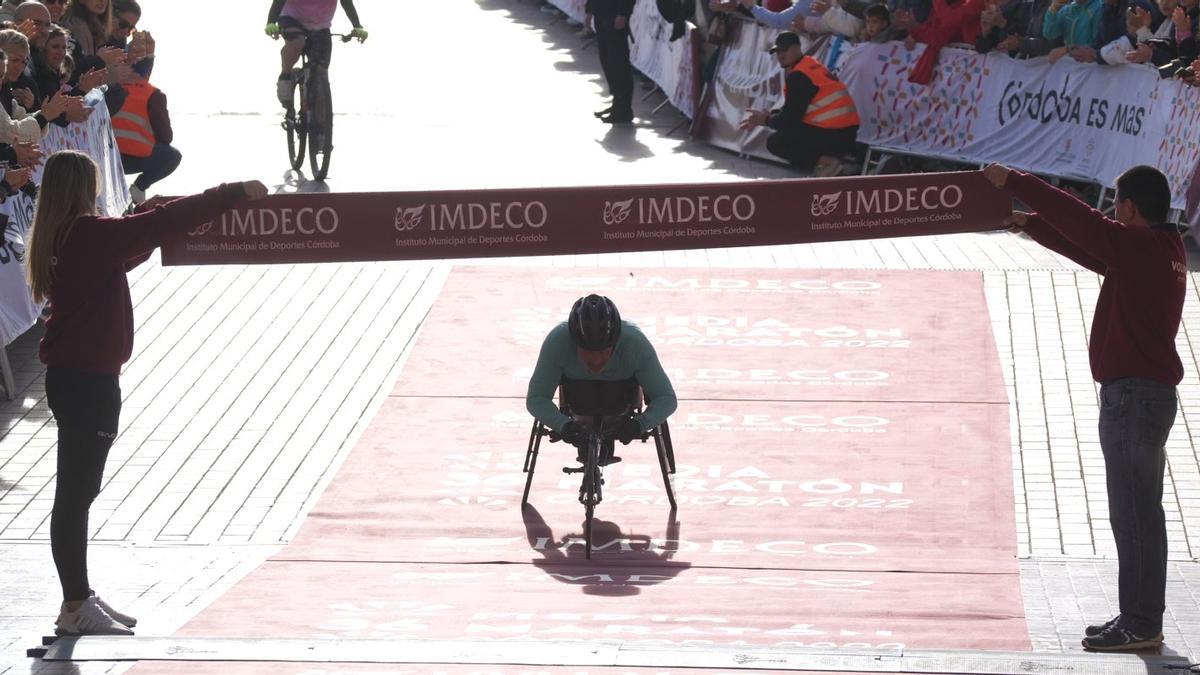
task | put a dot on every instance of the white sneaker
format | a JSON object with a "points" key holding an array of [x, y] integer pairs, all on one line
{"points": [[283, 89], [89, 619], [121, 617], [137, 194]]}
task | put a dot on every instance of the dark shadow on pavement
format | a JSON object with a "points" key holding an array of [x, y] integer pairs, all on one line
{"points": [[294, 182], [625, 563], [621, 140]]}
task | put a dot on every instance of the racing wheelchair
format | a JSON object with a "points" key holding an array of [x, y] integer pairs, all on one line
{"points": [[597, 402]]}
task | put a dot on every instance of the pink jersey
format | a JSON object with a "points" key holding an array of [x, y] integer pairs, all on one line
{"points": [[312, 14]]}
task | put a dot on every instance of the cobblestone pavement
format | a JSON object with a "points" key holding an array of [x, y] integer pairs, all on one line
{"points": [[249, 384]]}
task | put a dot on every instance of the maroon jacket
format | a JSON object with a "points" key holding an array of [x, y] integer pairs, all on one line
{"points": [[91, 317], [1145, 280]]}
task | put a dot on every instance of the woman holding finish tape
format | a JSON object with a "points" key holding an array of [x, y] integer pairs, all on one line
{"points": [[77, 261]]}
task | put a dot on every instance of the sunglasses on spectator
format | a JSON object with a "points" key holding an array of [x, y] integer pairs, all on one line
{"points": [[125, 25]]}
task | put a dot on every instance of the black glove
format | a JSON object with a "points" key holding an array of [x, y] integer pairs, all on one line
{"points": [[627, 429], [575, 433]]}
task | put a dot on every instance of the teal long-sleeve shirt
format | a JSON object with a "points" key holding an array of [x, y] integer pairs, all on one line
{"points": [[633, 356], [1078, 23]]}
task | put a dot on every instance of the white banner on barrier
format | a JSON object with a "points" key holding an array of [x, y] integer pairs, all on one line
{"points": [[18, 312], [672, 65], [572, 8], [1068, 119]]}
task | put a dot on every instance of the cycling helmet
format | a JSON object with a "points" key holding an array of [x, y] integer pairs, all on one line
{"points": [[595, 323]]}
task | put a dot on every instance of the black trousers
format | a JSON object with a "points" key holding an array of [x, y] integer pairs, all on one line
{"points": [[1136, 416], [162, 162], [801, 146], [614, 61], [87, 409]]}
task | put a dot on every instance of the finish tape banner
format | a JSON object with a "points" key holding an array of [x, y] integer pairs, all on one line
{"points": [[311, 228]]}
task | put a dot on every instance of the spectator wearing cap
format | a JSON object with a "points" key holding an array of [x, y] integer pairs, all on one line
{"points": [[818, 122]]}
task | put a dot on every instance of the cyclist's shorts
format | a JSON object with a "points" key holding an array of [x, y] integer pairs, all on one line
{"points": [[320, 44]]}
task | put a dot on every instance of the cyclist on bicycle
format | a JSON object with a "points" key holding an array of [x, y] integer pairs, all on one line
{"points": [[600, 361], [291, 19]]}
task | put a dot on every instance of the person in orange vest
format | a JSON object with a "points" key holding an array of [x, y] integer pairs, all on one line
{"points": [[817, 123], [144, 135]]}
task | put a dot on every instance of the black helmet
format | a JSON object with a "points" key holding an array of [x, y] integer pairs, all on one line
{"points": [[595, 323]]}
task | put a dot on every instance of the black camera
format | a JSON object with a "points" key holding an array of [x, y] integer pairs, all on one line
{"points": [[1176, 68]]}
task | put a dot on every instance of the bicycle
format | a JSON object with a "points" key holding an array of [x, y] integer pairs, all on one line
{"points": [[311, 123]]}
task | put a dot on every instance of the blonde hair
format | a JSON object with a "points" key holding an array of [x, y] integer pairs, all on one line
{"points": [[13, 40], [70, 186]]}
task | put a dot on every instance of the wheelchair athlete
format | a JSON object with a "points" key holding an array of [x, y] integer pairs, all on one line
{"points": [[600, 361]]}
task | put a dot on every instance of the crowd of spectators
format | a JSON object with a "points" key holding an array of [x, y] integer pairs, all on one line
{"points": [[1160, 32], [54, 53]]}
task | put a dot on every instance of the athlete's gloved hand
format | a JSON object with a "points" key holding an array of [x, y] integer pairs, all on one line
{"points": [[272, 30], [575, 433], [360, 33], [627, 429]]}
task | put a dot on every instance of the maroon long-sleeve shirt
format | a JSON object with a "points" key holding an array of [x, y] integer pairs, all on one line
{"points": [[1145, 280], [91, 316]]}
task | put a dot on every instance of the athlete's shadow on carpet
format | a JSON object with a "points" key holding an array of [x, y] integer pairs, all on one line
{"points": [[622, 563]]}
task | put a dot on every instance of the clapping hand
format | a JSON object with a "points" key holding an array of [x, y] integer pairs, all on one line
{"points": [[92, 79], [57, 104], [16, 178], [23, 96], [1009, 44], [77, 111], [111, 56], [1180, 18], [28, 29], [29, 155], [1140, 54], [1136, 19], [1083, 54]]}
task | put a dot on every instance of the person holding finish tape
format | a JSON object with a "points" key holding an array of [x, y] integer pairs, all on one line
{"points": [[77, 260]]}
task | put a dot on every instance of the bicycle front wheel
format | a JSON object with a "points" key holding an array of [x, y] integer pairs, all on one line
{"points": [[320, 144], [295, 123]]}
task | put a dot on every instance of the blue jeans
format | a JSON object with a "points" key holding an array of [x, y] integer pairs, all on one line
{"points": [[1135, 419], [162, 162]]}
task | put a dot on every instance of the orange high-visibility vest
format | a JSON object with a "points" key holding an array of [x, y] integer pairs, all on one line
{"points": [[135, 136], [831, 107]]}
